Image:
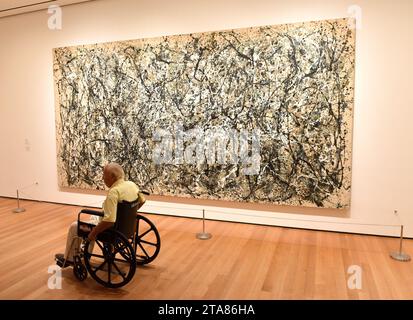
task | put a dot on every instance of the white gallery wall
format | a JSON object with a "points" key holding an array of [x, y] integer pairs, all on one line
{"points": [[382, 138]]}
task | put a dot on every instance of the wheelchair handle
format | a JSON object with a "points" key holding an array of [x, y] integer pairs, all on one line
{"points": [[145, 192]]}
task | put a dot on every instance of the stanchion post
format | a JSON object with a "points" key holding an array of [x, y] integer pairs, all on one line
{"points": [[400, 256], [203, 235], [18, 209]]}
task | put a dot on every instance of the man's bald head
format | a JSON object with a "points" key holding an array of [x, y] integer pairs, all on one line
{"points": [[111, 173]]}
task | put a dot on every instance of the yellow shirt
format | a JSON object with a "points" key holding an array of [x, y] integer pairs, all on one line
{"points": [[120, 191]]}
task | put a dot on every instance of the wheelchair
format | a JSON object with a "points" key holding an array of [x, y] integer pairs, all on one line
{"points": [[112, 258]]}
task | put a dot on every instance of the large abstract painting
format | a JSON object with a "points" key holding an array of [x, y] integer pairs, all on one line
{"points": [[261, 114]]}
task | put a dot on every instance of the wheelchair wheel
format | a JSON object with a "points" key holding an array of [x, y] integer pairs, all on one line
{"points": [[147, 240], [79, 269], [110, 260]]}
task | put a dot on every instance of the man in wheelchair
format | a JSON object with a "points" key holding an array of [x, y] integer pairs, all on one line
{"points": [[119, 191]]}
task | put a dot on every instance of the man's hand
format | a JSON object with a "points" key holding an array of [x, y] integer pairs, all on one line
{"points": [[102, 226]]}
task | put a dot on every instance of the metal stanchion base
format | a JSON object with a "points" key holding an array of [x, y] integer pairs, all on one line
{"points": [[18, 210], [400, 256], [203, 236]]}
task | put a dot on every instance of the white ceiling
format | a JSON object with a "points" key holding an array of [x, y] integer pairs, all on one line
{"points": [[13, 7]]}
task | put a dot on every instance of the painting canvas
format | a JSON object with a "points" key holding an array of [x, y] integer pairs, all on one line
{"points": [[276, 102]]}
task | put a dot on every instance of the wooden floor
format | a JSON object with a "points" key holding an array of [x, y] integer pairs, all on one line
{"points": [[241, 261]]}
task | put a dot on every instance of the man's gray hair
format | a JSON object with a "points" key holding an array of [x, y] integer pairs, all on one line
{"points": [[116, 170]]}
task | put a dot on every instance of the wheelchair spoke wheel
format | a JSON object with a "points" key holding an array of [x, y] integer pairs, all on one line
{"points": [[79, 269], [147, 240], [110, 260]]}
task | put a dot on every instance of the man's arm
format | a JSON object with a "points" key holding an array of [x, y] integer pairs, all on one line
{"points": [[141, 200], [109, 218]]}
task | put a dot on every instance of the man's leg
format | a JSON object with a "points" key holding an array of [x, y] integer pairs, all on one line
{"points": [[73, 242]]}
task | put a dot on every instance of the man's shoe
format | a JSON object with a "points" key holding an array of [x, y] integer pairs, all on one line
{"points": [[59, 256], [60, 261]]}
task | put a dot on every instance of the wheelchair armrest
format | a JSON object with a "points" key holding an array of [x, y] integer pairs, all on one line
{"points": [[83, 228], [92, 212]]}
